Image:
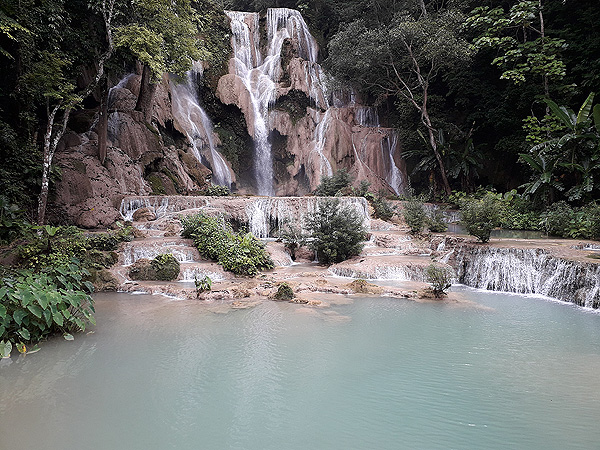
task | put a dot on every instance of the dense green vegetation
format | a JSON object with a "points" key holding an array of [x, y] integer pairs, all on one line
{"points": [[216, 240], [336, 233], [46, 289]]}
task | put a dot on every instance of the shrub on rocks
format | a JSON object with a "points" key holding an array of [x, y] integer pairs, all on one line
{"points": [[284, 292], [215, 239], [336, 233], [440, 279], [414, 215], [166, 267], [481, 216], [162, 268]]}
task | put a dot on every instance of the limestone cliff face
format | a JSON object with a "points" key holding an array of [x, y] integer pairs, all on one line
{"points": [[142, 158], [310, 134]]}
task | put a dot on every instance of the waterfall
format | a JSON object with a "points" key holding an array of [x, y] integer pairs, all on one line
{"points": [[161, 204], [529, 271], [261, 75], [394, 176], [267, 214], [367, 116], [257, 77], [321, 129], [113, 117], [198, 127]]}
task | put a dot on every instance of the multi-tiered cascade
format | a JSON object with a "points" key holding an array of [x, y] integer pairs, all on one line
{"points": [[322, 133]]}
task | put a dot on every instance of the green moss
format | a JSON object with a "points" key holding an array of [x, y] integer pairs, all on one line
{"points": [[156, 184], [79, 166], [295, 104], [176, 183], [284, 292], [166, 267]]}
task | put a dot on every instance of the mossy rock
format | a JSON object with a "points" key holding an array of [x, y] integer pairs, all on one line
{"points": [[142, 270], [284, 292], [166, 267], [101, 259], [104, 281], [156, 184], [361, 286]]}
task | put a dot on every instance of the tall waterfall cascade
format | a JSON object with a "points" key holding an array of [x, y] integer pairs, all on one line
{"points": [[260, 75], [529, 271], [327, 132], [198, 127]]}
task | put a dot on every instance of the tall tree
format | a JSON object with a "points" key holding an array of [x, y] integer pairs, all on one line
{"points": [[402, 60]]}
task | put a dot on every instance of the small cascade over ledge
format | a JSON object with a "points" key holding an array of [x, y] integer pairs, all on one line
{"points": [[529, 271], [263, 216]]}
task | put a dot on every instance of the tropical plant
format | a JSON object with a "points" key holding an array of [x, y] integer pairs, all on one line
{"points": [[545, 181], [414, 215], [203, 284], [34, 306], [573, 145], [331, 185], [440, 278], [336, 233], [481, 216]]}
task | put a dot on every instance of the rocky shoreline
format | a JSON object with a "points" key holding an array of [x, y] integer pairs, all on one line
{"points": [[562, 269]]}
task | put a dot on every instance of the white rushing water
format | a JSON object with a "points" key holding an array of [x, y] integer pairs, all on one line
{"points": [[529, 271], [261, 75], [198, 127], [268, 216], [394, 176], [367, 116]]}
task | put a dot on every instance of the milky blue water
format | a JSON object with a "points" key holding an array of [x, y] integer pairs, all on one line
{"points": [[503, 372]]}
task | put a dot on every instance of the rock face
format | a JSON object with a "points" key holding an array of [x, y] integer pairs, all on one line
{"points": [[287, 132], [301, 131], [142, 158]]}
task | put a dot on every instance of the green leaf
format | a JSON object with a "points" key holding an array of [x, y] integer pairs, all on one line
{"points": [[58, 318], [586, 108], [36, 310], [5, 349], [559, 113], [19, 315], [2, 310], [36, 348], [24, 332], [68, 337], [43, 300]]}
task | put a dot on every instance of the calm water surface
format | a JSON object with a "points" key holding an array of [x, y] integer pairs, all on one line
{"points": [[505, 372]]}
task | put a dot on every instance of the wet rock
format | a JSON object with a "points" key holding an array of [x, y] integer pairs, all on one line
{"points": [[363, 287], [144, 215]]}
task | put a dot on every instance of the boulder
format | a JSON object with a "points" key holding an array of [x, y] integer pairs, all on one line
{"points": [[144, 215]]}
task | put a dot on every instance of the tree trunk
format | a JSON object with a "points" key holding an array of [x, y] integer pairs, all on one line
{"points": [[51, 140], [427, 122], [103, 123], [146, 97]]}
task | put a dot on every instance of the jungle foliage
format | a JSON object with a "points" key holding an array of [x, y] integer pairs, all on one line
{"points": [[242, 254], [336, 232]]}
